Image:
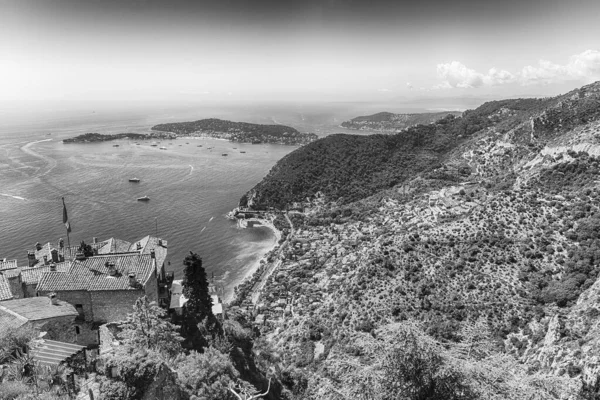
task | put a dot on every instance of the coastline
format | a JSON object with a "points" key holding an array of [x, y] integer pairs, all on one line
{"points": [[262, 258]]}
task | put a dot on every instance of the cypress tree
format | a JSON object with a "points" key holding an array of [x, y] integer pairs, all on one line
{"points": [[195, 288]]}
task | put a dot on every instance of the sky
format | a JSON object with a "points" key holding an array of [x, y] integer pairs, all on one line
{"points": [[76, 51]]}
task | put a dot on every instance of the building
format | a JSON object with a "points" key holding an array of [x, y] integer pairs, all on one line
{"points": [[104, 288], [30, 277], [5, 292], [178, 300], [10, 280], [55, 317]]}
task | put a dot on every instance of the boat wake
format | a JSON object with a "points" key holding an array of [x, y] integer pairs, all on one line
{"points": [[10, 195], [191, 169], [202, 229], [211, 218]]}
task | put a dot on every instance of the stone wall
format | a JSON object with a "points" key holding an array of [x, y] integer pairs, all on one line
{"points": [[151, 288], [61, 329], [114, 305], [76, 297], [16, 286], [29, 290]]}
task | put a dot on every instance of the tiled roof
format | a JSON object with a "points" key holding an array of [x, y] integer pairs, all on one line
{"points": [[5, 292], [149, 243], [31, 276], [92, 274], [51, 352], [34, 309], [7, 264], [112, 245]]}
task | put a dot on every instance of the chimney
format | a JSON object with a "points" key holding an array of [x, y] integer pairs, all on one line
{"points": [[138, 246], [95, 240], [61, 243], [53, 299], [132, 281], [79, 255], [38, 246], [160, 242], [52, 267], [152, 254], [45, 259], [112, 271], [31, 261], [54, 254]]}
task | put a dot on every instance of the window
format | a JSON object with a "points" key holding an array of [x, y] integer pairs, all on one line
{"points": [[77, 331], [79, 308]]}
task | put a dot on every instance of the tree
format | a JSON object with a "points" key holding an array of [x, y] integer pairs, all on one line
{"points": [[198, 309], [86, 248], [146, 328], [195, 287], [207, 375]]}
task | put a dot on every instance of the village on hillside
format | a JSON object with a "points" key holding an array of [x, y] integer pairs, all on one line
{"points": [[77, 296]]}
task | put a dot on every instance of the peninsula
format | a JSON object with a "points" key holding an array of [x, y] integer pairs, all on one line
{"points": [[390, 122], [98, 137], [238, 131]]}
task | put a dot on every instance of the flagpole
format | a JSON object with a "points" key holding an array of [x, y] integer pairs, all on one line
{"points": [[65, 220]]}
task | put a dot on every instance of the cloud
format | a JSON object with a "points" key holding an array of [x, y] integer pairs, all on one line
{"points": [[458, 75], [584, 66], [581, 67]]}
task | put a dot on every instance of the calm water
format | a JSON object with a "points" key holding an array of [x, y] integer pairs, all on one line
{"points": [[191, 188]]}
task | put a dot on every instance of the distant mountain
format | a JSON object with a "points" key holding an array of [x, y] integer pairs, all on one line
{"points": [[390, 122], [238, 131]]}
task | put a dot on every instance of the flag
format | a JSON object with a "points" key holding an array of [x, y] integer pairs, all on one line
{"points": [[65, 217]]}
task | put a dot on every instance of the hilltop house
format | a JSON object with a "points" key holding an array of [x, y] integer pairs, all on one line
{"points": [[104, 288], [178, 300]]}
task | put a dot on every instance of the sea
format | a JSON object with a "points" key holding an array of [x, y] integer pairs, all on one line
{"points": [[191, 185]]}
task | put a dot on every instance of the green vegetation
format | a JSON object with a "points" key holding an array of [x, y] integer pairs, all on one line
{"points": [[238, 131], [98, 137]]}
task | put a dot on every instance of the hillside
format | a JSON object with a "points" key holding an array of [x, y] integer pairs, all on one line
{"points": [[238, 131], [98, 137], [390, 122], [479, 234]]}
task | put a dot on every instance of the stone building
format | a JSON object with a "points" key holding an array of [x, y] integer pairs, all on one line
{"points": [[104, 288], [55, 317], [30, 277]]}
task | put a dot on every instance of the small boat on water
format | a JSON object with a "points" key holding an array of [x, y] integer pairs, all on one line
{"points": [[153, 144], [115, 145], [224, 154], [163, 148], [242, 151], [199, 145], [134, 180], [145, 198]]}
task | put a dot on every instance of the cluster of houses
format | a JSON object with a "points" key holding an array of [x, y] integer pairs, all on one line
{"points": [[70, 294]]}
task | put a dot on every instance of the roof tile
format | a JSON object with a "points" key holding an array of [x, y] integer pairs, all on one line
{"points": [[5, 292]]}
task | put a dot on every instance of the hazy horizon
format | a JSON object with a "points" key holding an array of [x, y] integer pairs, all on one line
{"points": [[68, 54]]}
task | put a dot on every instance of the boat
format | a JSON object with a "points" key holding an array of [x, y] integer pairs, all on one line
{"points": [[134, 180], [145, 198], [242, 151], [115, 145], [153, 144], [224, 154], [163, 148], [199, 145]]}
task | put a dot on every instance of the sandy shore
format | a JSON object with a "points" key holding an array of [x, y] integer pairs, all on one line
{"points": [[254, 266]]}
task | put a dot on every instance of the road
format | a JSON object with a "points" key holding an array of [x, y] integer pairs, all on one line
{"points": [[271, 267]]}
